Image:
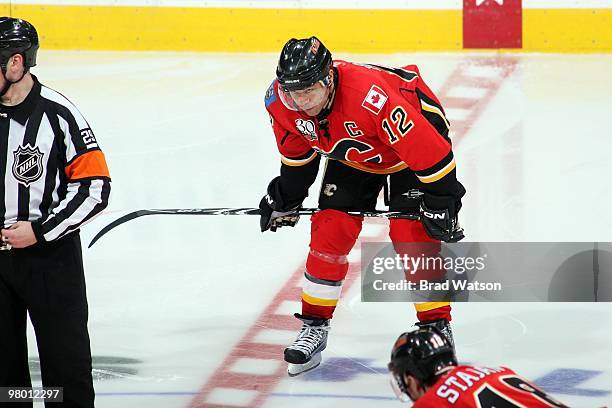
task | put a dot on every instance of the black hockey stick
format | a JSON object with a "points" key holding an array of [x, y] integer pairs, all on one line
{"points": [[236, 211]]}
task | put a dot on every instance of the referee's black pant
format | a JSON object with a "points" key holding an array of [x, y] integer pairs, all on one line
{"points": [[46, 281]]}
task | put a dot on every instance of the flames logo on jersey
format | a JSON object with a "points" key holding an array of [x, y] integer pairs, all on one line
{"points": [[27, 164], [354, 151], [306, 128]]}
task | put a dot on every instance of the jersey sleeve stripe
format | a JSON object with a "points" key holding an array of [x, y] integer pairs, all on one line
{"points": [[73, 136], [61, 100], [71, 150], [439, 174], [89, 165], [71, 120], [75, 197], [433, 112], [103, 202], [440, 165], [434, 109], [69, 193], [300, 161], [85, 199]]}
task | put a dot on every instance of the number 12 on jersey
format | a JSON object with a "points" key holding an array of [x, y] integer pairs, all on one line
{"points": [[400, 124]]}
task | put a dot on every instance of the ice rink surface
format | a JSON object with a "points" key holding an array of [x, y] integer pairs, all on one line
{"points": [[178, 303]]}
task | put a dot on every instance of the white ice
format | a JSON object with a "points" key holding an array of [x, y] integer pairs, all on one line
{"points": [[171, 296]]}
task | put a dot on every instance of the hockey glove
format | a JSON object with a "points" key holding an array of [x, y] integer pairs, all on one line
{"points": [[439, 217], [274, 213]]}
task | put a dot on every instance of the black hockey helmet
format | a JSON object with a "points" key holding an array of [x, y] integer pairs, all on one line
{"points": [[303, 63], [423, 353], [17, 37]]}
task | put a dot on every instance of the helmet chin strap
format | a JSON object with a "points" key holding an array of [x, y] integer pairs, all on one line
{"points": [[8, 82]]}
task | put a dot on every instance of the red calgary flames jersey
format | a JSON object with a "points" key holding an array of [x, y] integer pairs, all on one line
{"points": [[382, 120], [470, 386]]}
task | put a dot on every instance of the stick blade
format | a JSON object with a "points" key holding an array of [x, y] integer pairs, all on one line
{"points": [[117, 222]]}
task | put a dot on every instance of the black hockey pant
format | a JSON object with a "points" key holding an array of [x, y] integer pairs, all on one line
{"points": [[46, 281]]}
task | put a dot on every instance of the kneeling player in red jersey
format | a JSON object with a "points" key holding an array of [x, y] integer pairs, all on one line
{"points": [[376, 126], [424, 369]]}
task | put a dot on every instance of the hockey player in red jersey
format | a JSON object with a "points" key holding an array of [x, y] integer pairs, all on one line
{"points": [[376, 127], [424, 370]]}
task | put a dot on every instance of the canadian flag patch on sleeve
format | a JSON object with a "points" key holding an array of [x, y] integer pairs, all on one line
{"points": [[375, 100]]}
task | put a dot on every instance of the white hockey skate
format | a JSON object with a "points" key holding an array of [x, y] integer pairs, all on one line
{"points": [[305, 352]]}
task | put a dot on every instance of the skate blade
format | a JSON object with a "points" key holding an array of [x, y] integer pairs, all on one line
{"points": [[297, 369]]}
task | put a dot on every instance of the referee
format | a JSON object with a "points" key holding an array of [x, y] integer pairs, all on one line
{"points": [[53, 179]]}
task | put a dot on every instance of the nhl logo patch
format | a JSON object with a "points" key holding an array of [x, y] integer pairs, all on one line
{"points": [[27, 164], [375, 100]]}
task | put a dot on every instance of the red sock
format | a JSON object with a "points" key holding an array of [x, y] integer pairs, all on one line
{"points": [[333, 234]]}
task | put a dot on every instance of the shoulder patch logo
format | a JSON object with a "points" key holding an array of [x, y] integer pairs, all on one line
{"points": [[27, 164], [375, 100], [270, 95]]}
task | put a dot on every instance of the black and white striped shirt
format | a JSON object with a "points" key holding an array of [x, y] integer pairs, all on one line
{"points": [[52, 171]]}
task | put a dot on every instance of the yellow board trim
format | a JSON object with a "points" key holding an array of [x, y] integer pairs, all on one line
{"points": [[317, 301], [239, 29], [567, 30], [153, 28], [427, 306]]}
